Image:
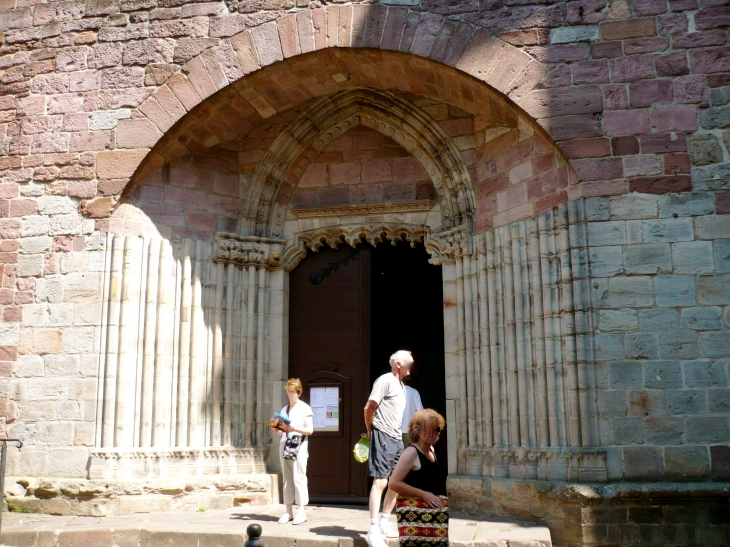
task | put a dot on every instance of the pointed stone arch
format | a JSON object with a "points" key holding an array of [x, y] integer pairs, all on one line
{"points": [[311, 131]]}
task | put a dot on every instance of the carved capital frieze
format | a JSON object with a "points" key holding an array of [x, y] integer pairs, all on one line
{"points": [[450, 245], [334, 236], [256, 251]]}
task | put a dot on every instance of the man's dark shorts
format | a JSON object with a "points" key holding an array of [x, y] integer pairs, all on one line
{"points": [[384, 454]]}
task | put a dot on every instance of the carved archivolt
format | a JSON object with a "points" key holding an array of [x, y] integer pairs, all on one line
{"points": [[334, 236], [330, 117]]}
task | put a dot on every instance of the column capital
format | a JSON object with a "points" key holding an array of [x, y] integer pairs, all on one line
{"points": [[261, 252]]}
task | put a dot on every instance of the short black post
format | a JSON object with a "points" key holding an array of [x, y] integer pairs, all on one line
{"points": [[253, 531], [4, 456]]}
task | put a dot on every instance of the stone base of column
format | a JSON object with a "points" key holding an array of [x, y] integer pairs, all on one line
{"points": [[105, 497], [603, 515], [150, 463]]}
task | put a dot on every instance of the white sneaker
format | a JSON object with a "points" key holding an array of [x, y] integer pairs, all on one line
{"points": [[375, 539], [286, 517], [388, 531], [301, 518]]}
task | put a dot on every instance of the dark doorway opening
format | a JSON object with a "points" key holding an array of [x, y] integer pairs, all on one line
{"points": [[406, 303], [343, 327]]}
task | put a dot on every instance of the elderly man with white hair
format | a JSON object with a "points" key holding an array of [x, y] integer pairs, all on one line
{"points": [[383, 416]]}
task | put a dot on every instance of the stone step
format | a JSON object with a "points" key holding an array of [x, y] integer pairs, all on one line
{"points": [[327, 526]]}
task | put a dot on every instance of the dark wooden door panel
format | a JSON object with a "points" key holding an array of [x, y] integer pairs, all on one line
{"points": [[329, 344]]}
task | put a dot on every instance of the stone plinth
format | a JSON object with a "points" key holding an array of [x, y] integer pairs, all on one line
{"points": [[153, 463]]}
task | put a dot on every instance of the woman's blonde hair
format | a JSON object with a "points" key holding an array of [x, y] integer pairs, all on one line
{"points": [[423, 420], [294, 384]]}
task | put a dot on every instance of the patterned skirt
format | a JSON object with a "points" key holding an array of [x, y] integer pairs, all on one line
{"points": [[420, 525]]}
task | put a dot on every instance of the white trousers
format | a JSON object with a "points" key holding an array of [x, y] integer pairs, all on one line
{"points": [[295, 476]]}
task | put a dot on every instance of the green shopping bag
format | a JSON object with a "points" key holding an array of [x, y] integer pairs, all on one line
{"points": [[362, 449]]}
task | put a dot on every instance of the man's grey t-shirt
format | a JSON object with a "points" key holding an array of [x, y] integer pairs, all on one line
{"points": [[390, 394]]}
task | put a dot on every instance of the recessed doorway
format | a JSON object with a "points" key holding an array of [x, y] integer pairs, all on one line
{"points": [[349, 310]]}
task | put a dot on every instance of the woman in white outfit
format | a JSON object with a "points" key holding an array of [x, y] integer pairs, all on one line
{"points": [[295, 471]]}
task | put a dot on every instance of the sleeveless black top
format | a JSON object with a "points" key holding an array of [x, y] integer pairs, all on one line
{"points": [[429, 478]]}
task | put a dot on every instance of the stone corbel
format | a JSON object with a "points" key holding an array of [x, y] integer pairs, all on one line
{"points": [[256, 251]]}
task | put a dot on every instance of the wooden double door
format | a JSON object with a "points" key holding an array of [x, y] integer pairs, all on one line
{"points": [[349, 309]]}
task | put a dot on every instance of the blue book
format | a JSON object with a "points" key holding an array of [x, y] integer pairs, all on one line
{"points": [[284, 419]]}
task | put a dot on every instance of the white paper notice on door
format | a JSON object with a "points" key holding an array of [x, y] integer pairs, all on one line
{"points": [[325, 403]]}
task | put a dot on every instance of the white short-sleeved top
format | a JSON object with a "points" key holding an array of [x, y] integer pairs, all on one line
{"points": [[390, 394], [301, 416]]}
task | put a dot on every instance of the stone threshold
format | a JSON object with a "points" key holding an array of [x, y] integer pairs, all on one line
{"points": [[327, 526]]}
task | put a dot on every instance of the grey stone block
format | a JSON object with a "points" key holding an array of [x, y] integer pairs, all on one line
{"points": [[704, 149], [633, 206], [606, 261], [614, 463], [662, 374], [625, 375], [685, 205], [647, 402], [716, 344], [597, 209], [678, 344], [643, 462], [720, 95], [693, 257], [640, 345], [711, 177], [684, 463], [675, 290], [664, 430], [648, 258], [612, 402], [715, 117], [727, 316], [569, 35], [608, 347], [668, 230], [703, 373], [722, 255], [599, 292], [628, 431], [658, 319], [634, 231], [686, 401], [606, 233], [712, 227], [609, 320], [708, 318], [708, 428], [718, 400], [631, 292], [714, 290]]}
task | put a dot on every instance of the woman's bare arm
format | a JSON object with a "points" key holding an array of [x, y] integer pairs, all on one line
{"points": [[408, 461]]}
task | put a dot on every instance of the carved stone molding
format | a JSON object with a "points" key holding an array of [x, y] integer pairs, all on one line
{"points": [[256, 251], [370, 209], [334, 236], [449, 245]]}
